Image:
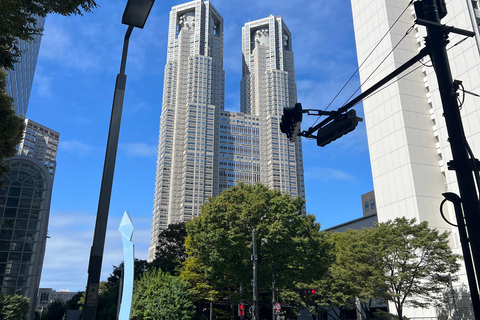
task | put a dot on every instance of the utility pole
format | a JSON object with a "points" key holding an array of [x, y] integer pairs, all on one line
{"points": [[273, 290], [437, 36], [254, 281]]}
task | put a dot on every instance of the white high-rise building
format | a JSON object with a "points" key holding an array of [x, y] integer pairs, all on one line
{"points": [[407, 136], [204, 149]]}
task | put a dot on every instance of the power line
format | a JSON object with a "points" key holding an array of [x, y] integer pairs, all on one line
{"points": [[365, 60]]}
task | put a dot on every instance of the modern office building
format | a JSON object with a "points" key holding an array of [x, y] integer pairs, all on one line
{"points": [[204, 149], [48, 295], [20, 79], [24, 211], [407, 136]]}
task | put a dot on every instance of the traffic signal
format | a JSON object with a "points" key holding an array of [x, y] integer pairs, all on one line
{"points": [[338, 127], [241, 310], [441, 8], [291, 121], [306, 292]]}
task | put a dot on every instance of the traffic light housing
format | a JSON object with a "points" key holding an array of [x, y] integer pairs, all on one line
{"points": [[306, 292], [291, 121], [241, 310], [420, 13], [340, 126]]}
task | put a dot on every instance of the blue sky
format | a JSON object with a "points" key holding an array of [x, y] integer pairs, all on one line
{"points": [[73, 91]]}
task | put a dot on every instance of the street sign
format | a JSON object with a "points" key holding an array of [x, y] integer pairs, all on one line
{"points": [[278, 306]]}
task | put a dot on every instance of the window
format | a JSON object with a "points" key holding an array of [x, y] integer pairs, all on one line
{"points": [[367, 207], [372, 204]]}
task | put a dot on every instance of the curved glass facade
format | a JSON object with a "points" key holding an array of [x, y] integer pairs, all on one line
{"points": [[24, 208]]}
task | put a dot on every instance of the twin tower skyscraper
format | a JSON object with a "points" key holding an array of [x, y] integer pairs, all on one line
{"points": [[204, 149]]}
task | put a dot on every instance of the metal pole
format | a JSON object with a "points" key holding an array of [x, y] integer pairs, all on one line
{"points": [[254, 281], [96, 252], [467, 257], [273, 290], [436, 41]]}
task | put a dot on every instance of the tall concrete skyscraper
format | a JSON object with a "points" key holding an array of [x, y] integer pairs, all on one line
{"points": [[407, 136], [24, 211], [204, 149]]}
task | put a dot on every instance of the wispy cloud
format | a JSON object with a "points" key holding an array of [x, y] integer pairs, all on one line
{"points": [[139, 149], [59, 46], [76, 147], [71, 236], [326, 174], [43, 84]]}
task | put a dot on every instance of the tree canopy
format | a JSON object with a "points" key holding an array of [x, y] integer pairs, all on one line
{"points": [[401, 261], [219, 242], [13, 307], [11, 126], [170, 253], [159, 295], [18, 20], [416, 260]]}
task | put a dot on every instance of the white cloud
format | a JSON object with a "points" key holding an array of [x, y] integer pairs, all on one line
{"points": [[59, 46], [43, 84], [75, 147], [326, 174], [139, 149], [68, 248]]}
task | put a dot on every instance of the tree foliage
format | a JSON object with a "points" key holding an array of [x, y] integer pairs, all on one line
{"points": [[354, 279], [417, 262], [18, 21], [13, 307], [170, 251], [11, 126], [55, 311], [109, 290], [159, 295], [400, 261], [219, 243]]}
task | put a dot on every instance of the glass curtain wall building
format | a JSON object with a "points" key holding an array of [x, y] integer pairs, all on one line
{"points": [[204, 149], [24, 211], [20, 79]]}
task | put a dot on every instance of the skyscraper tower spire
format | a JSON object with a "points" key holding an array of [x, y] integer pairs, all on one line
{"points": [[193, 93], [204, 149], [267, 86]]}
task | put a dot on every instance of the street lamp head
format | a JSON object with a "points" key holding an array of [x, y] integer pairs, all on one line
{"points": [[136, 12]]}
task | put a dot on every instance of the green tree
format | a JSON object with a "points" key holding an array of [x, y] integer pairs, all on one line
{"points": [[109, 290], [55, 311], [161, 296], [18, 21], [13, 307], [139, 267], [170, 253], [219, 243], [416, 260], [353, 276], [400, 261], [11, 126], [74, 302]]}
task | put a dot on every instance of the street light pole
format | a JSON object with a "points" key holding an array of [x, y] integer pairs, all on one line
{"points": [[135, 15]]}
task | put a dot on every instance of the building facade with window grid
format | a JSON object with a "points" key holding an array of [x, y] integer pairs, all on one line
{"points": [[407, 135], [20, 78], [24, 212], [204, 149]]}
